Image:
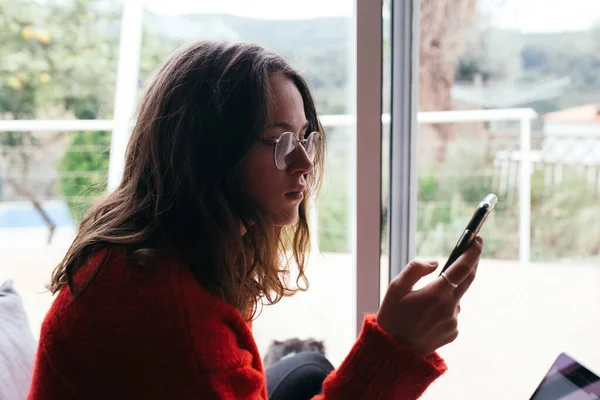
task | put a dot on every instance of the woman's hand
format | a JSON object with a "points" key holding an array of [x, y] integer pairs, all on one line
{"points": [[426, 319]]}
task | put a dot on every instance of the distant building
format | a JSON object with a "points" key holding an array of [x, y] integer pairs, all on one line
{"points": [[572, 136]]}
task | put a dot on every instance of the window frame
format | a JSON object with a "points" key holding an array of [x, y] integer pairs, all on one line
{"points": [[366, 146], [404, 132], [403, 144], [366, 224]]}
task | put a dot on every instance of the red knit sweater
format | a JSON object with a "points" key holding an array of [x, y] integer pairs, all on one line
{"points": [[157, 334]]}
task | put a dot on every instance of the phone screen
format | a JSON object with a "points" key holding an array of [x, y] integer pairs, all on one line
{"points": [[568, 380]]}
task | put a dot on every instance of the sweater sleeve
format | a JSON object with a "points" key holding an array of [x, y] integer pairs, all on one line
{"points": [[380, 367]]}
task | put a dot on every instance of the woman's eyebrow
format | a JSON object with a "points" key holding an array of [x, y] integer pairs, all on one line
{"points": [[287, 126]]}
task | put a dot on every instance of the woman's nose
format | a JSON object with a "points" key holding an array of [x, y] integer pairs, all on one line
{"points": [[300, 161]]}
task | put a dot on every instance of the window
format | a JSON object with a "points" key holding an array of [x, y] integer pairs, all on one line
{"points": [[508, 100], [508, 103], [317, 38], [57, 86]]}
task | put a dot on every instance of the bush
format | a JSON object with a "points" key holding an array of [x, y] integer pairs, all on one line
{"points": [[333, 199], [447, 198], [83, 169], [566, 220]]}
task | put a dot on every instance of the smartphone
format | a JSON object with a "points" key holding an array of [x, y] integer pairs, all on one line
{"points": [[484, 209]]}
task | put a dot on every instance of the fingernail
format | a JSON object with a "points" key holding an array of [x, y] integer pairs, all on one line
{"points": [[433, 263], [479, 239]]}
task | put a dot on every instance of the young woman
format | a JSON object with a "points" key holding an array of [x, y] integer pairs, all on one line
{"points": [[157, 293]]}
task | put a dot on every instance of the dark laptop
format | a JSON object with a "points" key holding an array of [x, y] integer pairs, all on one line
{"points": [[568, 380]]}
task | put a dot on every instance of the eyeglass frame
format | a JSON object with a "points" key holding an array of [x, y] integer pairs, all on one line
{"points": [[274, 141]]}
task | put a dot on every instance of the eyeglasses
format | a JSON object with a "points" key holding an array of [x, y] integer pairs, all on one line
{"points": [[287, 142]]}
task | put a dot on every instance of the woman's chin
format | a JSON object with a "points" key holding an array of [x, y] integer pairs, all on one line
{"points": [[286, 218]]}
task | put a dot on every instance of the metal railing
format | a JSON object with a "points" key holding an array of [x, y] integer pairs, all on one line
{"points": [[522, 116]]}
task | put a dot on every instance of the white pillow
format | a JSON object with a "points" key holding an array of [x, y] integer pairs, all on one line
{"points": [[17, 345]]}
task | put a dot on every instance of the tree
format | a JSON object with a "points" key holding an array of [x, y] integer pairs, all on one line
{"points": [[59, 59], [492, 53], [83, 167], [84, 164], [55, 63], [59, 62], [444, 24]]}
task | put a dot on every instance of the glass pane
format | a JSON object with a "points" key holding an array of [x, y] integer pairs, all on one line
{"points": [[318, 41], [493, 57], [58, 62], [316, 38]]}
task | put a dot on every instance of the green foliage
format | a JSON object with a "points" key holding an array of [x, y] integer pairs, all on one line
{"points": [[566, 220], [467, 165], [333, 218], [319, 48], [428, 187], [60, 61], [430, 191], [83, 168], [55, 55], [333, 199], [565, 53], [447, 197], [503, 57], [492, 53]]}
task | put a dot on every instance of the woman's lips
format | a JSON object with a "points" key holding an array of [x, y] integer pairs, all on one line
{"points": [[294, 195]]}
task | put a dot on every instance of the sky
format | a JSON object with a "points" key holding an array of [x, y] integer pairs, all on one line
{"points": [[525, 15], [544, 15]]}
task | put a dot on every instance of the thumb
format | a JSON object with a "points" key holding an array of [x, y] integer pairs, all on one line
{"points": [[412, 273]]}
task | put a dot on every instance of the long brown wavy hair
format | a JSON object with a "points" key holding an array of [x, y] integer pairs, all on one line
{"points": [[182, 185]]}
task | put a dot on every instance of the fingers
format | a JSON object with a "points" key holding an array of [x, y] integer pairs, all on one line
{"points": [[464, 286], [461, 269], [412, 273]]}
